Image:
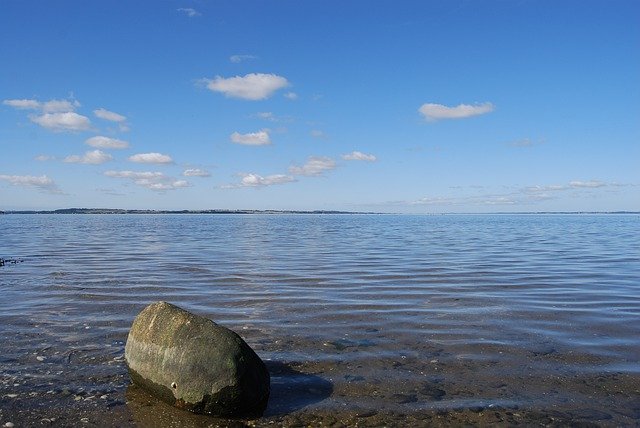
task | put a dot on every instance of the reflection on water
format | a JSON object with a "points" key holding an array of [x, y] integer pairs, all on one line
{"points": [[382, 314]]}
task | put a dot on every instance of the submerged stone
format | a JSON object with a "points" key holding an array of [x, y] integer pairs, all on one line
{"points": [[195, 364]]}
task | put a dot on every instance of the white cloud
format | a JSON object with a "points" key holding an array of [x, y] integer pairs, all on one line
{"points": [[316, 133], [593, 184], [93, 157], [191, 13], [254, 86], [255, 180], [51, 106], [291, 96], [44, 158], [359, 156], [545, 189], [22, 104], [271, 117], [266, 115], [67, 121], [196, 172], [466, 200], [316, 165], [260, 138], [434, 112], [239, 58], [151, 158], [42, 183], [106, 143], [151, 180], [109, 115], [59, 106]]}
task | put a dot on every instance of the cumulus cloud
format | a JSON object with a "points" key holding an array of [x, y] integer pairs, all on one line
{"points": [[42, 183], [433, 112], [109, 115], [67, 121], [106, 143], [112, 117], [316, 165], [239, 58], [254, 86], [196, 172], [157, 158], [255, 180], [260, 138], [156, 181], [191, 13], [51, 106], [271, 117], [593, 184], [466, 200], [22, 104], [291, 96], [59, 106], [359, 156], [93, 157]]}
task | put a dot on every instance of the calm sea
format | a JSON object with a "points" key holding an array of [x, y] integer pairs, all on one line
{"points": [[366, 316]]}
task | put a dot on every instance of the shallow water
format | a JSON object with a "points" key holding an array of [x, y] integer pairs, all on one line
{"points": [[378, 318]]}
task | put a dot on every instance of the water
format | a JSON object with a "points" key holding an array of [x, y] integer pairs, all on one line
{"points": [[379, 318]]}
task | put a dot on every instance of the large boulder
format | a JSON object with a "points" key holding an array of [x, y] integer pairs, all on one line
{"points": [[195, 364]]}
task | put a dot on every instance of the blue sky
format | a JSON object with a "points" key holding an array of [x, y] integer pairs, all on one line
{"points": [[413, 106]]}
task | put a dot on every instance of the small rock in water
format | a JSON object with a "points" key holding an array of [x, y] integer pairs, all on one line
{"points": [[195, 364], [40, 358], [9, 425]]}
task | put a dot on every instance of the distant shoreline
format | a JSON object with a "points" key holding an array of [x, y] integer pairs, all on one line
{"points": [[224, 211]]}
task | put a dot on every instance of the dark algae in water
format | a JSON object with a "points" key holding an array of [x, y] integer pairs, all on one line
{"points": [[9, 261]]}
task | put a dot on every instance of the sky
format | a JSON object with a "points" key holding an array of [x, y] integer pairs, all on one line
{"points": [[387, 106]]}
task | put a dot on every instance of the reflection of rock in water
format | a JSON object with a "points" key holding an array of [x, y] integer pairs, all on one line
{"points": [[149, 412], [292, 390]]}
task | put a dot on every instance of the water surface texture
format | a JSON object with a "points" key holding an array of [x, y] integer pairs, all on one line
{"points": [[366, 319]]}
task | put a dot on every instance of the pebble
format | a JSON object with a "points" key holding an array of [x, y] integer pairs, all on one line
{"points": [[11, 395], [84, 420], [40, 358], [9, 425]]}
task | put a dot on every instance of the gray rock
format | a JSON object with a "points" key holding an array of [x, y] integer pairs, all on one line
{"points": [[195, 364]]}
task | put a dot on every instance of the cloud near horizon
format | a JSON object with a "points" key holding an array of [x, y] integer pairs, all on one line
{"points": [[259, 138], [196, 172], [93, 157], [255, 180], [253, 86], [433, 112], [315, 166], [156, 181], [359, 156], [156, 158], [42, 183], [102, 142]]}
